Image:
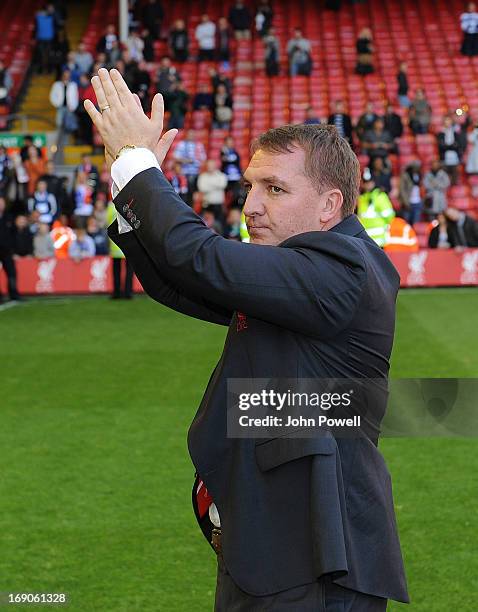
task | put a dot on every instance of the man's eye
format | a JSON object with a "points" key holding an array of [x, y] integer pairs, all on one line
{"points": [[274, 189], [247, 187]]}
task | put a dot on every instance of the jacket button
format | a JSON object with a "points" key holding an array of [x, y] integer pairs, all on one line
{"points": [[125, 207], [129, 214], [133, 218], [137, 224]]}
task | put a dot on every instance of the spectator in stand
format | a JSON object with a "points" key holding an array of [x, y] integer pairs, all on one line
{"points": [[463, 227], [365, 50], [83, 59], [22, 237], [223, 39], [153, 15], [148, 45], [130, 70], [43, 246], [393, 122], [311, 117], [179, 41], [240, 20], [65, 98], [115, 54], [141, 85], [62, 236], [341, 120], [45, 32], [82, 247], [105, 43], [264, 16], [378, 141], [6, 250], [374, 209], [205, 34], [232, 229], [167, 75], [217, 78], [56, 185], [436, 183], [85, 127], [222, 108], [212, 184], [472, 160], [271, 53], [83, 199], [44, 203], [93, 177], [99, 211], [231, 167], [35, 166], [366, 121], [299, 53], [209, 218], [177, 179], [191, 154], [420, 113], [98, 235], [442, 235], [410, 192], [20, 182], [71, 66], [6, 83], [27, 143], [6, 166], [448, 148], [135, 46], [469, 26], [176, 102], [116, 258], [402, 92], [203, 100], [381, 174]]}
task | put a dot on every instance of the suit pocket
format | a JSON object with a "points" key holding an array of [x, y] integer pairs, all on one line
{"points": [[275, 452]]}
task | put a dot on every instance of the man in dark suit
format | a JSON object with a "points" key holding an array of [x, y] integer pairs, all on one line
{"points": [[299, 524], [342, 121], [463, 228]]}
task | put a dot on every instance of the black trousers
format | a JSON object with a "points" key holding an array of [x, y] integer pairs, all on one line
{"points": [[320, 596], [10, 270], [128, 281]]}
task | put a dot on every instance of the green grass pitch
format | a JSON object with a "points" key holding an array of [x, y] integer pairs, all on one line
{"points": [[95, 477]]}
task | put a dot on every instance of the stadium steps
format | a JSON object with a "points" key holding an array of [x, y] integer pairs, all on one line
{"points": [[36, 102], [77, 21]]}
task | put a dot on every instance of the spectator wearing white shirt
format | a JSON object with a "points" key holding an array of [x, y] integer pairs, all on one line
{"points": [[212, 184], [64, 97], [469, 26], [135, 45], [206, 36]]}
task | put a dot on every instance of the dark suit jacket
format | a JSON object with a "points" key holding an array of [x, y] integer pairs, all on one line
{"points": [[321, 304], [347, 124]]}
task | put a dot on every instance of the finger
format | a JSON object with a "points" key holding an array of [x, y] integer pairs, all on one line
{"points": [[109, 89], [124, 94], [100, 92], [164, 145], [138, 101], [95, 116], [157, 112]]}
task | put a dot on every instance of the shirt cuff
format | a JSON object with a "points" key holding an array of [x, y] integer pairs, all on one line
{"points": [[125, 168]]}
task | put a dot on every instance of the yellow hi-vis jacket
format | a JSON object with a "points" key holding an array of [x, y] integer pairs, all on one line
{"points": [[375, 211], [243, 233]]}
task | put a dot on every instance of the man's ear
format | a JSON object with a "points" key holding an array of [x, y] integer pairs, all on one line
{"points": [[332, 206]]}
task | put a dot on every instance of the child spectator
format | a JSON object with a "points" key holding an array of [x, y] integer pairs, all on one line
{"points": [[43, 247]]}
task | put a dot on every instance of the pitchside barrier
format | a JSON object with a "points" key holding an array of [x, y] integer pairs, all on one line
{"points": [[426, 268]]}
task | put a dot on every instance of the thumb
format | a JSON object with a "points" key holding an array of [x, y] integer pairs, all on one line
{"points": [[157, 113], [164, 145]]}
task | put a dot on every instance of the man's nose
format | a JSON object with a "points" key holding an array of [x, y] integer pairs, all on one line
{"points": [[253, 204]]}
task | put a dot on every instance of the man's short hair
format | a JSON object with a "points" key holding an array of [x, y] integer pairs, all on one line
{"points": [[330, 162]]}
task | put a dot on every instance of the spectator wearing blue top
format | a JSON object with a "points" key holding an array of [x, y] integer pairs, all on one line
{"points": [[45, 32], [82, 247]]}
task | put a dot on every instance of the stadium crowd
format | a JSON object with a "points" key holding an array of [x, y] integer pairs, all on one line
{"points": [[42, 215]]}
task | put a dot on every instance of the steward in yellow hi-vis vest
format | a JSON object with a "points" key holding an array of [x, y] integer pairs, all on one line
{"points": [[244, 234], [374, 210]]}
